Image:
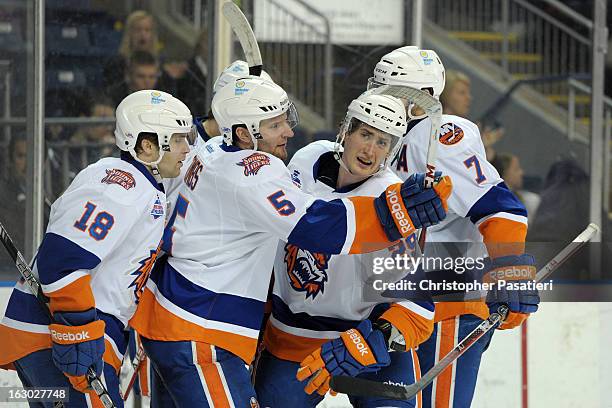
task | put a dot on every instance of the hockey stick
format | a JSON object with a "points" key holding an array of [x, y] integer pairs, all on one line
{"points": [[361, 387], [92, 378], [245, 35], [433, 109]]}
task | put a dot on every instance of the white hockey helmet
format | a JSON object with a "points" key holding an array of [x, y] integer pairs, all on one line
{"points": [[247, 101], [413, 67], [235, 70], [150, 111], [383, 112]]}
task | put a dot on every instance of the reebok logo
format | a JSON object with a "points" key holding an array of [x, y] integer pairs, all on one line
{"points": [[513, 272], [397, 213], [358, 341], [84, 335]]}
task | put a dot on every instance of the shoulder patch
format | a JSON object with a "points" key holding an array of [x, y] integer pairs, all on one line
{"points": [[120, 177], [158, 209], [450, 134], [253, 163]]}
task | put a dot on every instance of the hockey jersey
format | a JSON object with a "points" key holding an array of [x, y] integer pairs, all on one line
{"points": [[232, 208], [317, 296], [482, 210], [98, 250]]}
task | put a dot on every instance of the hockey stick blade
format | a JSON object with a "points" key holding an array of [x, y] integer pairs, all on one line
{"points": [[34, 285], [350, 385], [245, 35]]}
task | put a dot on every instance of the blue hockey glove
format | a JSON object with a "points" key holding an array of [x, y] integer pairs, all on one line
{"points": [[515, 292], [357, 351], [404, 208], [78, 343]]}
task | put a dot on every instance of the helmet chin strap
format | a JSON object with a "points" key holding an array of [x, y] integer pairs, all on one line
{"points": [[152, 165]]}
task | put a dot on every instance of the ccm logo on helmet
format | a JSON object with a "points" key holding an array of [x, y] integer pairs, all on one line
{"points": [[84, 335], [397, 213], [383, 117], [358, 341]]}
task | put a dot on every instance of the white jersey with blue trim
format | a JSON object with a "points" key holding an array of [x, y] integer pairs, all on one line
{"points": [[98, 250], [481, 208], [476, 183], [317, 296], [232, 208]]}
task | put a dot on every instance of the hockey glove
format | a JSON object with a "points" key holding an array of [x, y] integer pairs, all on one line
{"points": [[78, 343], [359, 350], [404, 208], [516, 272]]}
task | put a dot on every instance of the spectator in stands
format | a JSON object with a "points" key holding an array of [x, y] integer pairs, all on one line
{"points": [[98, 140], [140, 34], [191, 86], [456, 100], [142, 73], [13, 197], [564, 208], [509, 168]]}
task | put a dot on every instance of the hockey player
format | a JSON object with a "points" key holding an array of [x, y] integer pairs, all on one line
{"points": [[200, 315], [102, 240], [481, 210], [318, 299], [207, 126]]}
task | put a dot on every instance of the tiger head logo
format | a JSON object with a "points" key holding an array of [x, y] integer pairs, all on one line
{"points": [[307, 271]]}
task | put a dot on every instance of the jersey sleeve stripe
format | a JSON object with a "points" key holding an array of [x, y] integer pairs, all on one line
{"points": [[414, 327], [323, 228], [350, 226], [498, 199], [503, 236], [369, 234], [58, 257], [63, 282], [290, 346], [76, 296]]}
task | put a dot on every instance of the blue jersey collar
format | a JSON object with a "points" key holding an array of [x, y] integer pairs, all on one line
{"points": [[126, 156]]}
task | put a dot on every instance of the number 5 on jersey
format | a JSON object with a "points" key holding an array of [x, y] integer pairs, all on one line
{"points": [[283, 206]]}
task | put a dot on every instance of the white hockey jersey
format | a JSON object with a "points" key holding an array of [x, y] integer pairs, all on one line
{"points": [[317, 296], [233, 206], [480, 206], [102, 240]]}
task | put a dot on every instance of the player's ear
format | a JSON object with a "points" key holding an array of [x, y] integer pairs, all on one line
{"points": [[242, 136]]}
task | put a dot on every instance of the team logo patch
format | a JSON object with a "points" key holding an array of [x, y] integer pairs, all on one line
{"points": [[427, 60], [307, 271], [156, 98], [253, 163], [239, 88], [450, 134], [158, 209], [253, 402], [142, 273], [121, 177]]}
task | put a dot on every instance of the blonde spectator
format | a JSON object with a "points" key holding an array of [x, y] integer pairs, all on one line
{"points": [[139, 35], [457, 100]]}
